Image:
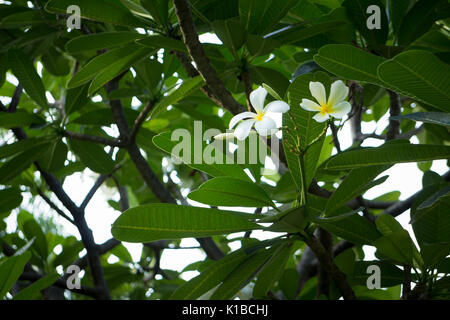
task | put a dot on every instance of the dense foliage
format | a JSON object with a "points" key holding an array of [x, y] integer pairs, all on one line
{"points": [[105, 99]]}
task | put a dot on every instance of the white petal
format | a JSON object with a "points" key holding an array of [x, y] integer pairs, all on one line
{"points": [[338, 92], [277, 106], [224, 136], [309, 105], [341, 109], [266, 126], [239, 117], [318, 91], [243, 129], [321, 117], [257, 98]]}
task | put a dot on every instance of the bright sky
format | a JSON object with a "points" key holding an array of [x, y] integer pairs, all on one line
{"points": [[405, 178]]}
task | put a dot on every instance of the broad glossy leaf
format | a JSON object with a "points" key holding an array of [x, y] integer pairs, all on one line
{"points": [[92, 155], [33, 291], [19, 119], [351, 227], [9, 199], [272, 270], [395, 241], [260, 16], [212, 276], [420, 75], [118, 67], [349, 62], [227, 191], [387, 154], [419, 20], [19, 163], [10, 271], [169, 221], [23, 69], [31, 229], [242, 274], [104, 40], [356, 182], [441, 118], [102, 62]]}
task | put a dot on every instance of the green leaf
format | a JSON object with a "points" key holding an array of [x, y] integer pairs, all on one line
{"points": [[420, 75], [104, 117], [210, 277], [109, 11], [397, 11], [418, 20], [441, 118], [351, 227], [349, 62], [54, 158], [33, 291], [157, 42], [272, 270], [195, 160], [103, 40], [387, 154], [357, 181], [76, 98], [227, 191], [69, 254], [10, 271], [187, 87], [10, 199], [159, 10], [429, 216], [274, 78], [19, 119], [169, 221], [24, 70], [92, 155], [119, 66], [19, 163], [296, 34], [31, 229], [231, 32], [356, 10], [55, 63], [395, 241], [260, 16], [117, 57], [302, 128], [242, 274], [258, 45], [9, 150]]}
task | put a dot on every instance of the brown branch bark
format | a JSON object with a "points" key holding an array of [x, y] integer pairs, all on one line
{"points": [[394, 125], [326, 261], [198, 55]]}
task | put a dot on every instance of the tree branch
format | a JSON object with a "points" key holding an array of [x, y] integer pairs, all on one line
{"points": [[198, 55], [328, 264], [393, 129], [95, 139]]}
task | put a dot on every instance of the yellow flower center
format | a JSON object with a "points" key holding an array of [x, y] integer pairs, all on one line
{"points": [[325, 108], [259, 116]]}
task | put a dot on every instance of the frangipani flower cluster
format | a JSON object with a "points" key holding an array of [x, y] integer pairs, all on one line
{"points": [[261, 120], [335, 106]]}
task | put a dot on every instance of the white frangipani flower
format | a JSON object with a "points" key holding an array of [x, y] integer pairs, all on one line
{"points": [[263, 123], [335, 106]]}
